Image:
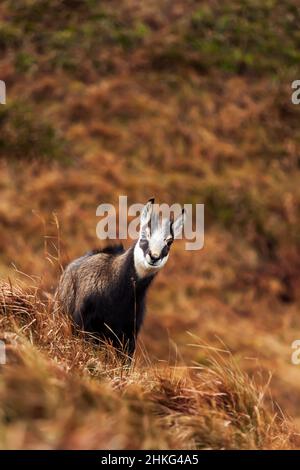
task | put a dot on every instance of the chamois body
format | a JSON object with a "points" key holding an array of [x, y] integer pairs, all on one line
{"points": [[105, 291], [105, 296]]}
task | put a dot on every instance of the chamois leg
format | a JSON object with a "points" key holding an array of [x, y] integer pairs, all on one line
{"points": [[131, 347]]}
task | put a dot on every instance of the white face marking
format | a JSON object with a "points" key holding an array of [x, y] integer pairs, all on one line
{"points": [[157, 242], [143, 264]]}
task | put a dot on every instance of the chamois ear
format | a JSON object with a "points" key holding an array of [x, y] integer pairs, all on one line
{"points": [[178, 224], [146, 217]]}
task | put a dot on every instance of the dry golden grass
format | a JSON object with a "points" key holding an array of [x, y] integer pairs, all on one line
{"points": [[59, 391]]}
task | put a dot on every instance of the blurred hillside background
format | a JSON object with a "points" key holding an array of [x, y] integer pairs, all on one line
{"points": [[189, 101]]}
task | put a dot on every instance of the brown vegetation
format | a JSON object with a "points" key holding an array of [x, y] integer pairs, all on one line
{"points": [[191, 103]]}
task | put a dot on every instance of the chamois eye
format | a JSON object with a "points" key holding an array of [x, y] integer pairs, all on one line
{"points": [[144, 245]]}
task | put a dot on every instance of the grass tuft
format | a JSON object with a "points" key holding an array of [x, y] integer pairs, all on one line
{"points": [[63, 392]]}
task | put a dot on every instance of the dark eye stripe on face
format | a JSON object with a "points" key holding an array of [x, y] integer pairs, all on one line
{"points": [[165, 251], [170, 241], [144, 244]]}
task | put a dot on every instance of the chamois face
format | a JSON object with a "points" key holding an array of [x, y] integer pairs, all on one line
{"points": [[156, 237]]}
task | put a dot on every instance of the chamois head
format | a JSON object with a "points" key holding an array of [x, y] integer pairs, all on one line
{"points": [[155, 239]]}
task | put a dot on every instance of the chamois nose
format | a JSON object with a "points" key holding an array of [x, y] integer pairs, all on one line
{"points": [[154, 257]]}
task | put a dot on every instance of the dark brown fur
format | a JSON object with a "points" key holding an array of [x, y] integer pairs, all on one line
{"points": [[104, 296]]}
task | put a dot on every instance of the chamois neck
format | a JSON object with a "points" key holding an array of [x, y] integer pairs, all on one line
{"points": [[126, 266], [142, 271]]}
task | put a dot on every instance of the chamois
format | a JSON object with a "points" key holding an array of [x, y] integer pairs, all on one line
{"points": [[104, 291]]}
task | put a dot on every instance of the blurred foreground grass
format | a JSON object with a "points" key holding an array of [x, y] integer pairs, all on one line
{"points": [[58, 391]]}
